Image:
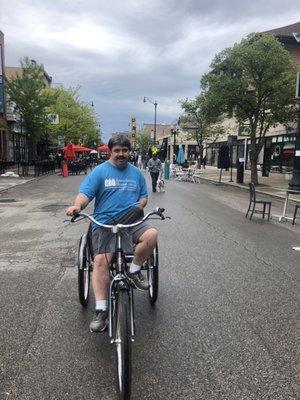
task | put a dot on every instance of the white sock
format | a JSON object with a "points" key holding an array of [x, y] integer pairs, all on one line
{"points": [[101, 305], [134, 268]]}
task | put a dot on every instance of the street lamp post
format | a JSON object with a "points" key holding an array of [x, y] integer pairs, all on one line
{"points": [[174, 132], [155, 107], [294, 183]]}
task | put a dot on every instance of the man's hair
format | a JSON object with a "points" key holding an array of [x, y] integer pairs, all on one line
{"points": [[119, 140]]}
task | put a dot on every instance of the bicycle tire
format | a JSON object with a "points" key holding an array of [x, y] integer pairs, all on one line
{"points": [[84, 270], [123, 345], [153, 276]]}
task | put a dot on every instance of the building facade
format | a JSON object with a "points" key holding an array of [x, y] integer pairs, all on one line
{"points": [[279, 145]]}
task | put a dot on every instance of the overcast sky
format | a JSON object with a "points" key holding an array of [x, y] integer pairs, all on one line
{"points": [[119, 51]]}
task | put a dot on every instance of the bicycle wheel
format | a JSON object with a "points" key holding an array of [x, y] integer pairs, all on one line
{"points": [[84, 268], [153, 276], [123, 345]]}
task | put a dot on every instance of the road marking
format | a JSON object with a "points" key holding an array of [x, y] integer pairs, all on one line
{"points": [[296, 248]]}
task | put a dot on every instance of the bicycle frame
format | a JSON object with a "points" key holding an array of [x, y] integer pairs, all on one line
{"points": [[120, 282]]}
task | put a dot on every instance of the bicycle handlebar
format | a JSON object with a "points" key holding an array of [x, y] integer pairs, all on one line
{"points": [[116, 228]]}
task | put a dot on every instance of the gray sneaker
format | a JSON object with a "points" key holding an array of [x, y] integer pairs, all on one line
{"points": [[138, 281], [99, 321]]}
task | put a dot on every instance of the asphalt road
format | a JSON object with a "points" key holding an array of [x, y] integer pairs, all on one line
{"points": [[226, 325]]}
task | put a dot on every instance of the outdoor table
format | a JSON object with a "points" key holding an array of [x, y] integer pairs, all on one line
{"points": [[283, 217]]}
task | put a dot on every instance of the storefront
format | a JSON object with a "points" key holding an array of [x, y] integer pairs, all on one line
{"points": [[279, 153], [276, 155]]}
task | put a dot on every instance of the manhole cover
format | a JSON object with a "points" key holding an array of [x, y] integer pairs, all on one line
{"points": [[8, 200]]}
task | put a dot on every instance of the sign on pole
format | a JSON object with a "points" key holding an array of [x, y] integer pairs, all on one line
{"points": [[133, 130], [244, 130]]}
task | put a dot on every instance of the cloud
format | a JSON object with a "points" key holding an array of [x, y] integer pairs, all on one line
{"points": [[119, 51]]}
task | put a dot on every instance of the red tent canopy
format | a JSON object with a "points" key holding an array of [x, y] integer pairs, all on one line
{"points": [[76, 148], [104, 148]]}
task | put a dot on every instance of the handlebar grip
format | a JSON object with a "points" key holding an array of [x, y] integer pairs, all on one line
{"points": [[75, 216], [160, 212]]}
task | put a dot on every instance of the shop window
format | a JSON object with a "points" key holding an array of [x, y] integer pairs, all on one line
{"points": [[274, 139]]}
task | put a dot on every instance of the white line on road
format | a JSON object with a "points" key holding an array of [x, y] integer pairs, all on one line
{"points": [[296, 248]]}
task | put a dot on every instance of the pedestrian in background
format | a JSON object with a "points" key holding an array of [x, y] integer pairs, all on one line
{"points": [[204, 161], [139, 161], [155, 167]]}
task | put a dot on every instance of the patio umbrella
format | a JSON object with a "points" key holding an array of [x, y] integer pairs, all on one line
{"points": [[77, 148], [180, 156], [83, 149], [103, 148], [93, 152]]}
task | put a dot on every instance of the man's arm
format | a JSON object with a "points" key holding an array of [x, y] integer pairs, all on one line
{"points": [[143, 201], [80, 203]]}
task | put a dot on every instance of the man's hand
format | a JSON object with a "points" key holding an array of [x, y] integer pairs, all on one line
{"points": [[70, 211], [80, 203]]}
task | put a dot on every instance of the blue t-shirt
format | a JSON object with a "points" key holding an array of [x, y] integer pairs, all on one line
{"points": [[115, 190]]}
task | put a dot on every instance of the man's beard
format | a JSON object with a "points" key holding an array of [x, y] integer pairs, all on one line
{"points": [[123, 161]]}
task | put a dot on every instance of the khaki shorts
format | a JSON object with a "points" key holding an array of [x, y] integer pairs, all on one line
{"points": [[104, 241]]}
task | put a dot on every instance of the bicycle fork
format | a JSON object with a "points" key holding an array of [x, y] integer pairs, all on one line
{"points": [[117, 283]]}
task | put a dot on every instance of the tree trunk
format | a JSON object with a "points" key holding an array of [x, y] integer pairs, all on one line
{"points": [[32, 153], [253, 162], [200, 158]]}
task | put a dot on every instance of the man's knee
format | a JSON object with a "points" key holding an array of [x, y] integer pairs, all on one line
{"points": [[102, 261], [149, 236]]}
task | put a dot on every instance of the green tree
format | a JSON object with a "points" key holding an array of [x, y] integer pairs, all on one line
{"points": [[204, 122], [27, 92], [77, 120], [143, 142], [253, 81]]}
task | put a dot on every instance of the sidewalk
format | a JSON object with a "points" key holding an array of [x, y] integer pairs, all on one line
{"points": [[274, 185], [8, 182]]}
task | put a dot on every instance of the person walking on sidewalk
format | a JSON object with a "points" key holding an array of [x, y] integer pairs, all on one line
{"points": [[119, 190], [155, 167], [140, 161]]}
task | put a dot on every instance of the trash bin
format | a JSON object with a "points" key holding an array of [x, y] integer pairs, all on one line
{"points": [[167, 170], [240, 173]]}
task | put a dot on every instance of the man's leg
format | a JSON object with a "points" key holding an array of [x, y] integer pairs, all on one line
{"points": [[156, 179], [153, 181], [144, 247], [100, 281]]}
